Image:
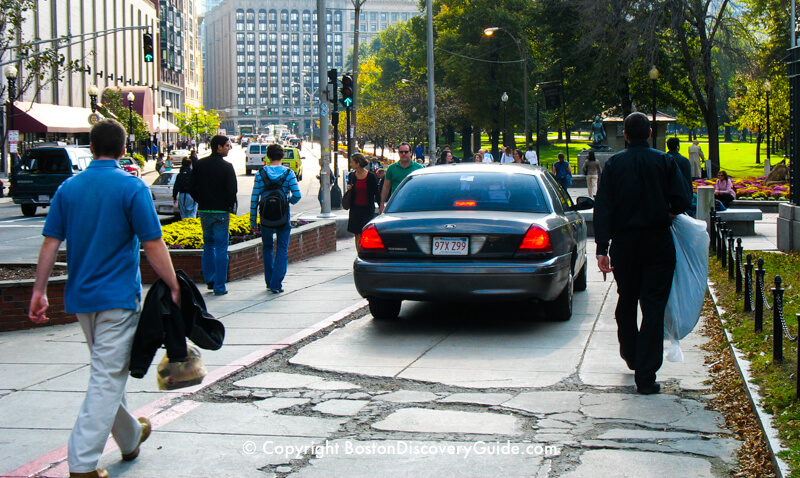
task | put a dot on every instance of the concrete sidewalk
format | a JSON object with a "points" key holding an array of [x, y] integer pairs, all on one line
{"points": [[365, 398]]}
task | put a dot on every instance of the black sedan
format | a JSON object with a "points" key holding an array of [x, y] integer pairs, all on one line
{"points": [[475, 232]]}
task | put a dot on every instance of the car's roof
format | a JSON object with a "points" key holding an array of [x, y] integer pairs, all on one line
{"points": [[480, 168]]}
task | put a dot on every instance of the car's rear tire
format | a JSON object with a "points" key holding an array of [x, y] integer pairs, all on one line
{"points": [[300, 178], [579, 284], [28, 210], [560, 309], [384, 309]]}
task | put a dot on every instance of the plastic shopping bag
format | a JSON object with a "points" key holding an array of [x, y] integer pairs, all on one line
{"points": [[688, 284], [174, 375]]}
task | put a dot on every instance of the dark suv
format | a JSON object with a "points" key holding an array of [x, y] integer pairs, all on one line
{"points": [[41, 171]]}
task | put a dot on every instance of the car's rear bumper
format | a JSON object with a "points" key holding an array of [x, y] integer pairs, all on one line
{"points": [[461, 281]]}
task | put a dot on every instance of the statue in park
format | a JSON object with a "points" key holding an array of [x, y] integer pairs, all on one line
{"points": [[778, 175], [598, 136]]}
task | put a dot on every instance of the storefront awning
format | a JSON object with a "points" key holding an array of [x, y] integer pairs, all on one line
{"points": [[162, 125], [43, 118]]}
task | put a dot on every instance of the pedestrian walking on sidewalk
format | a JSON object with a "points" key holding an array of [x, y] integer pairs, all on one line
{"points": [[563, 171], [673, 148], [364, 185], [641, 191], [213, 186], [397, 172], [282, 180], [592, 170], [180, 191], [103, 214]]}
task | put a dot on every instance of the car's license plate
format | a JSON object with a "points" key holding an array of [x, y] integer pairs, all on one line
{"points": [[165, 209], [44, 198], [450, 246]]}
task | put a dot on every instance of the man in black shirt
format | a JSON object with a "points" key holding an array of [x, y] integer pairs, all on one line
{"points": [[640, 192], [213, 185], [673, 146]]}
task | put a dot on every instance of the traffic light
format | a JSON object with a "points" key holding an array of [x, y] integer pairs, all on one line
{"points": [[246, 111], [147, 45], [347, 91]]}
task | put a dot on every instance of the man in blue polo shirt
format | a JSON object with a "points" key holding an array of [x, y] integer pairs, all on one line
{"points": [[103, 213]]}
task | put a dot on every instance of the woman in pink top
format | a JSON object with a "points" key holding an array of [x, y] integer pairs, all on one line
{"points": [[723, 189]]}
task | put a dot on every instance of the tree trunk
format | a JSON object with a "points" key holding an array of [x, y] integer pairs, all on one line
{"points": [[466, 143], [494, 136], [728, 137], [758, 148]]}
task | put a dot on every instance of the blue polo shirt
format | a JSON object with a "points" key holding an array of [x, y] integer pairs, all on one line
{"points": [[103, 213]]}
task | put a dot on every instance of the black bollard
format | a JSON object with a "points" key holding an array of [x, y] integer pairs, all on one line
{"points": [[748, 284], [730, 255], [777, 329], [713, 231], [722, 251], [738, 271], [759, 318]]}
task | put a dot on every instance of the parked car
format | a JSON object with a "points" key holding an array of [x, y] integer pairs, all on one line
{"points": [[475, 232], [176, 156], [41, 172], [161, 192], [130, 166]]}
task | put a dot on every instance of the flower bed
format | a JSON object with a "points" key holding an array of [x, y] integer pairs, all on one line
{"points": [[753, 188], [15, 298]]}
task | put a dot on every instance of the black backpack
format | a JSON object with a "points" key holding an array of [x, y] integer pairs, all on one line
{"points": [[183, 180], [273, 207]]}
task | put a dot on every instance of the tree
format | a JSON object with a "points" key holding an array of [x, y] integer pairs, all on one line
{"points": [[197, 121], [111, 106]]}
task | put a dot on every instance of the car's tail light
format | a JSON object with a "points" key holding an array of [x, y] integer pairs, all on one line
{"points": [[465, 204], [371, 240], [536, 240]]}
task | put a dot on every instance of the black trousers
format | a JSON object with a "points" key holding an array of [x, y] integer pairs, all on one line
{"points": [[644, 262]]}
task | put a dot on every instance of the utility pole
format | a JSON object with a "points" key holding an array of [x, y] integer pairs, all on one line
{"points": [[431, 92], [324, 133]]}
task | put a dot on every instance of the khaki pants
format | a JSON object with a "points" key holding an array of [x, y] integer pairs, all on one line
{"points": [[109, 334]]}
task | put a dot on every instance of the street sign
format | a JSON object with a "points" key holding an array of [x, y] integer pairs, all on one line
{"points": [[13, 136], [12, 148], [323, 109], [552, 95], [94, 118]]}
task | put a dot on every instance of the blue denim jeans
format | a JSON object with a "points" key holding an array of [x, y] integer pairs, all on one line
{"points": [[187, 205], [215, 248], [275, 267]]}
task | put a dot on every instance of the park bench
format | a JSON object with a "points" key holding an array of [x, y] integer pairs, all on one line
{"points": [[740, 221]]}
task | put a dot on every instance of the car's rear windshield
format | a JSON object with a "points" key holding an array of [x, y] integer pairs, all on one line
{"points": [[289, 154], [254, 149], [470, 191], [47, 161], [164, 180]]}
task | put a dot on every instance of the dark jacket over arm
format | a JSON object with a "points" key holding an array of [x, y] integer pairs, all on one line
{"points": [[639, 188]]}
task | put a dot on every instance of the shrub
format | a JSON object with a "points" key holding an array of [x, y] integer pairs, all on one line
{"points": [[139, 160], [188, 233]]}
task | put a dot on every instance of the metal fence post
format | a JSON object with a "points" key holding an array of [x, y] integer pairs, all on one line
{"points": [[713, 232], [777, 330], [759, 318], [730, 255], [722, 253], [739, 252], [748, 284]]}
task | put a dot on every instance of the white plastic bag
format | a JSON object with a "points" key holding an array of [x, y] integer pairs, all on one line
{"points": [[688, 284]]}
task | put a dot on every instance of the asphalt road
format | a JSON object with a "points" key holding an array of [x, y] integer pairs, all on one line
{"points": [[20, 236]]}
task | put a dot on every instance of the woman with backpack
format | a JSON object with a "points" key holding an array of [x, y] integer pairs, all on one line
{"points": [[180, 192], [363, 185], [274, 188]]}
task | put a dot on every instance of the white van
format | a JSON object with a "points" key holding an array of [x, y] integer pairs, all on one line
{"points": [[256, 156]]}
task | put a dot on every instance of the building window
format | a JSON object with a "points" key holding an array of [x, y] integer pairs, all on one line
{"points": [[383, 17], [405, 16]]}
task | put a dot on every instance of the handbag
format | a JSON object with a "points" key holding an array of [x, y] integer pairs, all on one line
{"points": [[347, 199]]}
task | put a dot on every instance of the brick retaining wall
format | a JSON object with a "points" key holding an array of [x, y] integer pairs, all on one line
{"points": [[307, 241]]}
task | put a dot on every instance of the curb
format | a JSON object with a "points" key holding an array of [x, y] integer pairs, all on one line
{"points": [[782, 469]]}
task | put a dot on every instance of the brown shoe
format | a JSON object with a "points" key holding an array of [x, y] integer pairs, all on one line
{"points": [[98, 473], [145, 435]]}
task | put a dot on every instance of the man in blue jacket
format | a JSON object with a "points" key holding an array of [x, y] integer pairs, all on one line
{"points": [[103, 214], [274, 266]]}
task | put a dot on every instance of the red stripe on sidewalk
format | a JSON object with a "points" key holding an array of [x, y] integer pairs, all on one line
{"points": [[161, 411]]}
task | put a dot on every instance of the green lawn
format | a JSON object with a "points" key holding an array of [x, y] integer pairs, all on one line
{"points": [[737, 158]]}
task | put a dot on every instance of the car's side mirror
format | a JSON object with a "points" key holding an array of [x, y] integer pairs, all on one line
{"points": [[583, 203]]}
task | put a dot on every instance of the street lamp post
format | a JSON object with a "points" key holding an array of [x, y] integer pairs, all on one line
{"points": [[524, 54], [11, 75], [653, 74], [93, 91], [167, 104], [131, 97], [767, 164], [504, 99]]}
